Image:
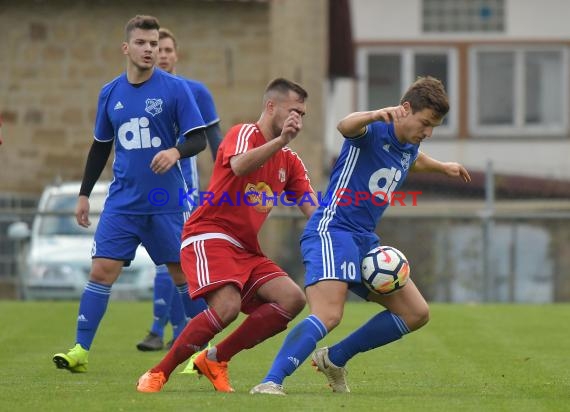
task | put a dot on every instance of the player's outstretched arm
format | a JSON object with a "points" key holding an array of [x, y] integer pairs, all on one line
{"points": [[354, 125], [425, 163]]}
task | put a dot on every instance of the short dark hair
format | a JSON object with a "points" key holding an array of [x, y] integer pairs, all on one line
{"points": [[283, 86], [141, 22], [164, 33], [427, 93]]}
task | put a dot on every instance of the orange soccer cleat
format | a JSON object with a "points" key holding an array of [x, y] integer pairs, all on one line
{"points": [[151, 382], [216, 372]]}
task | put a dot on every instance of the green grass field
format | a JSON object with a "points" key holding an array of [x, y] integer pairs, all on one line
{"points": [[468, 358]]}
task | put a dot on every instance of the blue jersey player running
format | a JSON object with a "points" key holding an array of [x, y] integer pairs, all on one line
{"points": [[380, 148], [168, 305], [144, 112]]}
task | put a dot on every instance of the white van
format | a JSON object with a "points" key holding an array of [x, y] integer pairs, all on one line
{"points": [[58, 260]]}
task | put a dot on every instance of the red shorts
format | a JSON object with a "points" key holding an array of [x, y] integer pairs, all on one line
{"points": [[212, 263]]}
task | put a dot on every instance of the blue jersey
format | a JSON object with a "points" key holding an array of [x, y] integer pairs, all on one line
{"points": [[368, 171], [207, 108], [143, 120], [205, 102]]}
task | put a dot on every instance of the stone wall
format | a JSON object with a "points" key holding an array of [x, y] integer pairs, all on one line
{"points": [[57, 54]]}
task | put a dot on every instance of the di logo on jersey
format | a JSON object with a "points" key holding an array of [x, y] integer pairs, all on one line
{"points": [[135, 134], [153, 106], [384, 181]]}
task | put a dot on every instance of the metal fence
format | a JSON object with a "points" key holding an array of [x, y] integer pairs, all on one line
{"points": [[13, 208], [459, 252], [515, 256]]}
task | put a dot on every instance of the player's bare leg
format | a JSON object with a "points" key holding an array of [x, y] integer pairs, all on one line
{"points": [[408, 303]]}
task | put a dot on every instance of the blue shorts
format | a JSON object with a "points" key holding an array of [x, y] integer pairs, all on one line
{"points": [[337, 256], [118, 236]]}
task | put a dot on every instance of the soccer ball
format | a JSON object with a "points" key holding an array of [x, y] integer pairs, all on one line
{"points": [[385, 270]]}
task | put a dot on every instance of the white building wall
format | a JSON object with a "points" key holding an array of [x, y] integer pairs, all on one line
{"points": [[545, 19], [382, 20], [375, 20], [338, 106], [528, 158]]}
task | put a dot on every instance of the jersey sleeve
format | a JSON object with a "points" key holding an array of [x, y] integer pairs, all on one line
{"points": [[103, 130], [298, 182], [206, 104], [238, 140], [187, 113], [362, 140], [376, 135]]}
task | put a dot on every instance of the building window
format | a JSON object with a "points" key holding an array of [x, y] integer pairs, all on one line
{"points": [[385, 74], [518, 91], [445, 16]]}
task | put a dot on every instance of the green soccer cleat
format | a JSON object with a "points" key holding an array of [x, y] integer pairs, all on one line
{"points": [[189, 368], [74, 361]]}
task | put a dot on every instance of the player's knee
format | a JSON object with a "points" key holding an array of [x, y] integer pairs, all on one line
{"points": [[330, 319], [102, 277], [105, 271], [332, 322], [419, 317], [297, 303], [291, 298], [228, 312]]}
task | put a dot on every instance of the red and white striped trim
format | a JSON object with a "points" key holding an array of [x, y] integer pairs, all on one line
{"points": [[207, 236], [244, 134], [213, 320]]}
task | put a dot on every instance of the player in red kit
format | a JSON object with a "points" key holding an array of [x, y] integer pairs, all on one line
{"points": [[220, 251]]}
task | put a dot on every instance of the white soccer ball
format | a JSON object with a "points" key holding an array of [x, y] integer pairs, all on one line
{"points": [[385, 270]]}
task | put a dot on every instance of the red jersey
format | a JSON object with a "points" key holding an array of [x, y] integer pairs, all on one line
{"points": [[236, 207]]}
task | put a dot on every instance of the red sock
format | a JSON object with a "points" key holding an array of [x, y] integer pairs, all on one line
{"points": [[266, 321], [198, 332]]}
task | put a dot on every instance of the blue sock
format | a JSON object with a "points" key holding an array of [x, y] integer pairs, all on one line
{"points": [[191, 307], [298, 345], [92, 307], [162, 299], [177, 315], [383, 328]]}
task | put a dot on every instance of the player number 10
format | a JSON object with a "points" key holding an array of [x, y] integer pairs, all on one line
{"points": [[348, 270]]}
